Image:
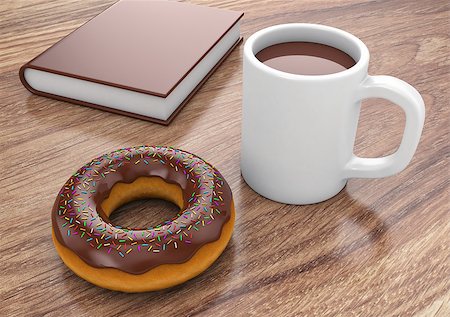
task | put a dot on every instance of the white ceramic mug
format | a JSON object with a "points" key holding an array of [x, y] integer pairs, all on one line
{"points": [[298, 131]]}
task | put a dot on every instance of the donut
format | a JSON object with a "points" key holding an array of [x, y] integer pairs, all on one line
{"points": [[142, 259]]}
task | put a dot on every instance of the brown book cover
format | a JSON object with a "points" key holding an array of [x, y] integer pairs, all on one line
{"points": [[141, 58]]}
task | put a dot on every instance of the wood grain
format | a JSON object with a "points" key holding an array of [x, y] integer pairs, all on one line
{"points": [[379, 248]]}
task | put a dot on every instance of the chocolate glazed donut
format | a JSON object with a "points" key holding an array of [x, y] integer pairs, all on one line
{"points": [[81, 224]]}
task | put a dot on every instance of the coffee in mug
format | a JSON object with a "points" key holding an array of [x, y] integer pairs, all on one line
{"points": [[305, 58]]}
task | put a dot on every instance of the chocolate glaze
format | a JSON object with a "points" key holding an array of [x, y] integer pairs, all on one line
{"points": [[80, 224]]}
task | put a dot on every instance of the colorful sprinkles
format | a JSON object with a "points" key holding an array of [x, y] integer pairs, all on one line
{"points": [[77, 215]]}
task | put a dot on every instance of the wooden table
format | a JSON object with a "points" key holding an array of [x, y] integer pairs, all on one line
{"points": [[379, 248]]}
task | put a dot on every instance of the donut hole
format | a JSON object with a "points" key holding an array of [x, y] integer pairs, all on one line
{"points": [[144, 203], [144, 213]]}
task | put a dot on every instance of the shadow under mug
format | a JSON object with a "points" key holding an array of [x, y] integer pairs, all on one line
{"points": [[298, 131]]}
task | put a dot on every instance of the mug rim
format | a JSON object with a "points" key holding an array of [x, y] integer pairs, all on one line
{"points": [[360, 64]]}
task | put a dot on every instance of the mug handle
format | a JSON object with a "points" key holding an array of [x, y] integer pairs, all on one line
{"points": [[409, 99]]}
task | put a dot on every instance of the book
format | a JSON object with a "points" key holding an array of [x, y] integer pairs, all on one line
{"points": [[140, 58]]}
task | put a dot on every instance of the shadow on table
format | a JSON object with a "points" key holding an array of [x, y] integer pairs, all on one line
{"points": [[337, 229]]}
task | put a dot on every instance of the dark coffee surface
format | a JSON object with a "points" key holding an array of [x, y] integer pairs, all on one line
{"points": [[305, 58]]}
